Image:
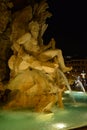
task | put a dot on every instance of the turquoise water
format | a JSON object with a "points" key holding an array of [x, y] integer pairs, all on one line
{"points": [[72, 116]]}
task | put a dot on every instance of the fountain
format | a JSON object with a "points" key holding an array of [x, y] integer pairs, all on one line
{"points": [[67, 84], [78, 83], [37, 94]]}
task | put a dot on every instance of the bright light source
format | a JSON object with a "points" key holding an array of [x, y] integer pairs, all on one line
{"points": [[59, 125]]}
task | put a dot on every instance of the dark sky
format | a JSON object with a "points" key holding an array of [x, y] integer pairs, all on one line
{"points": [[68, 26]]}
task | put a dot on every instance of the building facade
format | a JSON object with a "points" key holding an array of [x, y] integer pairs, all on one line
{"points": [[79, 65]]}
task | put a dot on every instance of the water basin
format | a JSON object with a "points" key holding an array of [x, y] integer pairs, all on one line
{"points": [[73, 115]]}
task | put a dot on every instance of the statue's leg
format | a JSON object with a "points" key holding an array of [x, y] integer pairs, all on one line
{"points": [[61, 63], [57, 56], [48, 55]]}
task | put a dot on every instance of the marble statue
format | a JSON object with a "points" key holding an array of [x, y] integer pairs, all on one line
{"points": [[34, 79], [38, 66], [28, 50]]}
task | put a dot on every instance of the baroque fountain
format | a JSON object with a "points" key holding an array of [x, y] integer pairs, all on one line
{"points": [[37, 94]]}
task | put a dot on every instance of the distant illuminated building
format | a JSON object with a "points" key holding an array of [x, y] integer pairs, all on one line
{"points": [[79, 65]]}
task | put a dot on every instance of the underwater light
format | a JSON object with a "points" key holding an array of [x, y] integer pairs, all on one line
{"points": [[59, 125]]}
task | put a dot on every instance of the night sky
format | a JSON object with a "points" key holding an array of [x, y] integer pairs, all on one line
{"points": [[68, 26]]}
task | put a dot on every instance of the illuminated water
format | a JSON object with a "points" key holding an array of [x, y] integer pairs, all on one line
{"points": [[65, 79], [79, 83], [67, 84], [72, 116], [82, 87]]}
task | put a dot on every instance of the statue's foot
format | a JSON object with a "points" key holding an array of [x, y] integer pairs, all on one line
{"points": [[67, 69]]}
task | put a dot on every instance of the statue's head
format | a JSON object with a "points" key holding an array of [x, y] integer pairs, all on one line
{"points": [[33, 25], [34, 28]]}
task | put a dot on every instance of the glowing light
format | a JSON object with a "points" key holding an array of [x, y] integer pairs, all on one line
{"points": [[59, 125]]}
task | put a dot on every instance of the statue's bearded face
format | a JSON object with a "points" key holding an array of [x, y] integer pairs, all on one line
{"points": [[34, 29]]}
